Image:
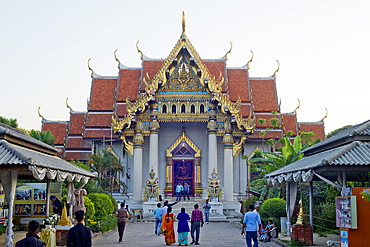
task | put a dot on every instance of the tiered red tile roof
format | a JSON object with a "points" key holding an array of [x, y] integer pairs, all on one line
{"points": [[108, 95]]}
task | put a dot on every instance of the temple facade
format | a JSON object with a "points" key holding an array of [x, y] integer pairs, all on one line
{"points": [[185, 118]]}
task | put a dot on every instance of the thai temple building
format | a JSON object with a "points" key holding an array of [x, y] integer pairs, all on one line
{"points": [[179, 119]]}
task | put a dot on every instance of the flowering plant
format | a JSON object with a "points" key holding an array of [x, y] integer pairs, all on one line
{"points": [[51, 220]]}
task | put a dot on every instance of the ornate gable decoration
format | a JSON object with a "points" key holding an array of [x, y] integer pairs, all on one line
{"points": [[166, 78], [183, 78], [183, 138]]}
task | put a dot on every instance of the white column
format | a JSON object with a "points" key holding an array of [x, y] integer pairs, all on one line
{"points": [[311, 209], [228, 142], [228, 174], [153, 142], [47, 197], [9, 182], [212, 152], [138, 162], [137, 178], [153, 153], [288, 208]]}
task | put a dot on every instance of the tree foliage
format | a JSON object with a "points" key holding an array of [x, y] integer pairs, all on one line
{"points": [[274, 207], [45, 136], [12, 122], [335, 132]]}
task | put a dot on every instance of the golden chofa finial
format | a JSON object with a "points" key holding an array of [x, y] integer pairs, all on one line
{"points": [[250, 60], [183, 22], [119, 63], [326, 115], [88, 65], [229, 50], [138, 50], [38, 111], [279, 105], [70, 109], [296, 109], [277, 68]]}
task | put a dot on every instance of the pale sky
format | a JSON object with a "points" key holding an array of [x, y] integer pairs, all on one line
{"points": [[322, 46]]}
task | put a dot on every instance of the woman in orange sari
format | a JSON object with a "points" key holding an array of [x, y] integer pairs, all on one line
{"points": [[168, 228]]}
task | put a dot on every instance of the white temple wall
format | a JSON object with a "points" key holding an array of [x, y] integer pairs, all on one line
{"points": [[146, 168], [236, 173]]}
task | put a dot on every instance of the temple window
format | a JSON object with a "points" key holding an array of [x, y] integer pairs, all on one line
{"points": [[183, 109], [173, 108], [192, 109], [201, 110], [164, 109]]}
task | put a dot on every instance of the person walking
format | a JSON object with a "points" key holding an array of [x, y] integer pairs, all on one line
{"points": [[121, 215], [158, 219], [183, 227], [252, 222], [186, 191], [168, 227], [196, 223], [179, 189], [165, 206], [207, 208], [79, 235], [31, 239]]}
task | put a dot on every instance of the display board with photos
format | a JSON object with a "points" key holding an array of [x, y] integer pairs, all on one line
{"points": [[30, 200], [346, 213]]}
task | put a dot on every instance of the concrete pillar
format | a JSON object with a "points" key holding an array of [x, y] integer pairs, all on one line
{"points": [[212, 139], [311, 209], [228, 142], [138, 163], [153, 142], [288, 208], [47, 197]]}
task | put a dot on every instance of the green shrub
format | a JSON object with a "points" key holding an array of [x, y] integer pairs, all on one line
{"points": [[274, 207], [108, 222], [103, 204]]}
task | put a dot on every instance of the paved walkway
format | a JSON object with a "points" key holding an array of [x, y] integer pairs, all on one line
{"points": [[142, 234]]}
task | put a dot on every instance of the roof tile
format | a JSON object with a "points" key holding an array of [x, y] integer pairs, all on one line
{"points": [[151, 67], [99, 120], [103, 94], [267, 117], [59, 131], [264, 95], [82, 156], [317, 129], [128, 84], [215, 67], [76, 124], [121, 110], [289, 123], [238, 84]]}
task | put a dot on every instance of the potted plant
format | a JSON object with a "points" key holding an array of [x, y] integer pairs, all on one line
{"points": [[51, 221]]}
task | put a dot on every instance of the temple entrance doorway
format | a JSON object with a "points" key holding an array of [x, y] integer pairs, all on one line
{"points": [[183, 168]]}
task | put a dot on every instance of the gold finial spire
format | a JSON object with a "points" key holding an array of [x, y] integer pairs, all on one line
{"points": [[250, 60], [70, 109], [38, 111], [299, 104], [119, 63], [138, 50], [277, 68], [326, 115], [229, 50], [88, 65], [183, 22]]}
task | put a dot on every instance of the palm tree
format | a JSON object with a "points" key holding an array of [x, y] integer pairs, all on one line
{"points": [[45, 136]]}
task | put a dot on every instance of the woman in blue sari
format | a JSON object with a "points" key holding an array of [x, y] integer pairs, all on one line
{"points": [[183, 227]]}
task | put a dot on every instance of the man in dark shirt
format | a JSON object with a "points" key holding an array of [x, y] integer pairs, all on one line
{"points": [[57, 206], [31, 239], [79, 235], [196, 223]]}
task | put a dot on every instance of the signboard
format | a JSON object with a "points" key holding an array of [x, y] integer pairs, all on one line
{"points": [[30, 201], [343, 238]]}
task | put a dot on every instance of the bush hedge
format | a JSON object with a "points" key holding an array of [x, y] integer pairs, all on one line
{"points": [[273, 209], [103, 204]]}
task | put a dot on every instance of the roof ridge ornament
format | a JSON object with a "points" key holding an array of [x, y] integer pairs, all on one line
{"points": [[70, 109], [119, 63], [277, 68], [299, 104], [88, 65], [183, 22], [326, 116], [38, 111], [138, 50], [250, 60], [229, 50], [279, 108]]}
